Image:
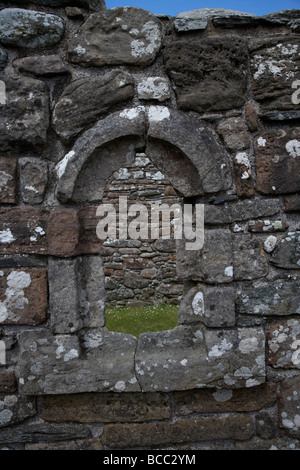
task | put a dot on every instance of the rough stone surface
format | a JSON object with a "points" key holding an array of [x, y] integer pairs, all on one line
{"points": [[8, 168], [284, 344], [85, 100], [213, 264], [29, 29], [287, 253], [270, 298], [23, 296], [215, 308], [197, 20], [277, 161], [41, 65], [292, 203], [135, 38], [289, 406], [14, 409], [243, 175], [33, 179], [234, 133], [249, 261], [274, 65], [207, 80], [8, 382], [154, 88], [93, 5], [25, 117], [3, 58]]}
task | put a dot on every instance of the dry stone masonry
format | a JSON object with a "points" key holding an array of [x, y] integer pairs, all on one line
{"points": [[204, 109]]}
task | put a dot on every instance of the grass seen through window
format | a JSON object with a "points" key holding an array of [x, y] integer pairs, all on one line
{"points": [[137, 320]]}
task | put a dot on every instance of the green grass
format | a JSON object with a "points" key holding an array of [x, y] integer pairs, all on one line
{"points": [[134, 321]]}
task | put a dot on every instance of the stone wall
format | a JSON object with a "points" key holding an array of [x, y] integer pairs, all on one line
{"points": [[211, 98]]}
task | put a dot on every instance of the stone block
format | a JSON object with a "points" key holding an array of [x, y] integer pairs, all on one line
{"points": [[135, 38], [154, 88], [8, 182], [289, 406], [292, 203], [209, 73], [33, 179], [64, 295], [63, 232], [234, 134], [287, 253], [280, 297], [44, 432], [23, 294], [93, 97], [41, 65], [24, 120], [277, 161], [225, 400], [214, 306], [243, 175], [92, 292], [105, 407], [249, 261], [283, 339], [212, 264], [15, 409], [180, 431], [29, 29], [75, 444], [8, 381]]}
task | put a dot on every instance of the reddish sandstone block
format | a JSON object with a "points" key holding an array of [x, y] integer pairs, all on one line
{"points": [[63, 232], [23, 296], [8, 180]]}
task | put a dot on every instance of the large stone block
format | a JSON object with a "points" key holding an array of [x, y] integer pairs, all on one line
{"points": [[274, 65], [209, 74], [289, 406], [33, 179], [30, 29], [86, 99], [24, 120], [283, 339], [23, 294], [249, 260], [15, 409], [287, 253], [277, 161], [134, 38]]}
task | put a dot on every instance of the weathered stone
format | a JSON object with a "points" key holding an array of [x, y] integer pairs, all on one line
{"points": [[14, 409], [89, 243], [33, 179], [289, 406], [8, 381], [44, 432], [225, 400], [3, 58], [189, 144], [75, 12], [92, 293], [41, 65], [214, 306], [135, 38], [287, 254], [30, 29], [105, 407], [277, 161], [243, 175], [86, 99], [283, 339], [25, 117], [76, 444], [267, 226], [265, 424], [93, 5], [236, 211], [23, 296], [251, 117], [198, 19], [292, 203], [279, 297], [226, 358], [64, 296], [134, 280], [280, 115], [212, 264], [154, 88], [277, 443], [208, 73], [249, 261], [63, 232], [274, 63], [234, 133], [56, 364], [8, 181], [182, 430]]}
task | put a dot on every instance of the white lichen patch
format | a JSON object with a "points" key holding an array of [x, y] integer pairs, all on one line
{"points": [[62, 165], [72, 354], [131, 113], [228, 272], [219, 350], [293, 148], [93, 340], [248, 345], [261, 142], [158, 113], [6, 236], [270, 243], [198, 304], [223, 395], [148, 42], [14, 295]]}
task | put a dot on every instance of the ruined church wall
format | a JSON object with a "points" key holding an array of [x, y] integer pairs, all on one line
{"points": [[211, 97]]}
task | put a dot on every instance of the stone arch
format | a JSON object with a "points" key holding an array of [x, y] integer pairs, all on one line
{"points": [[165, 133]]}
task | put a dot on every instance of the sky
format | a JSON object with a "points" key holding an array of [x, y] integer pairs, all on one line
{"points": [[172, 7]]}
